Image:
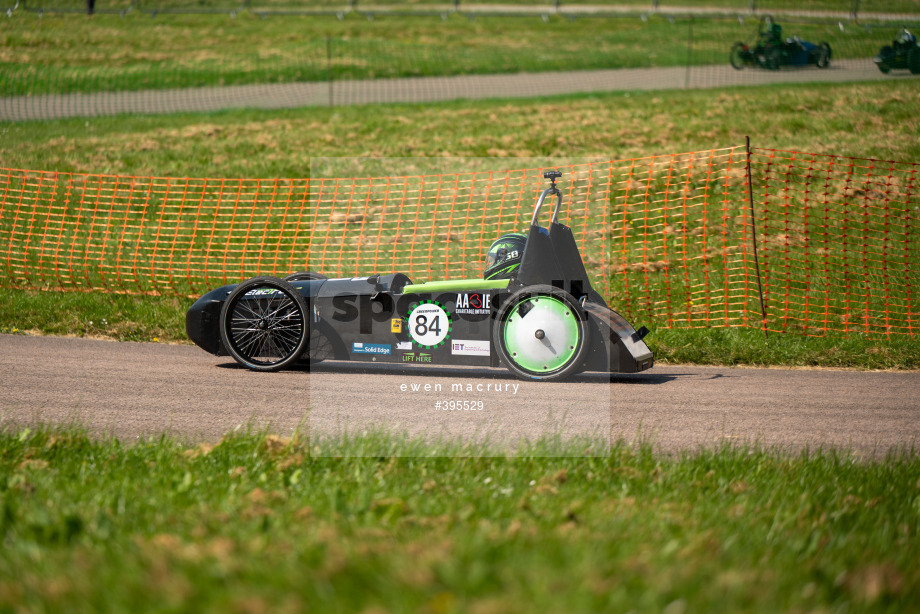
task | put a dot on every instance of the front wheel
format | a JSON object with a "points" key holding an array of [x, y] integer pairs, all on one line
{"points": [[881, 60], [737, 56], [541, 333], [823, 56], [264, 325]]}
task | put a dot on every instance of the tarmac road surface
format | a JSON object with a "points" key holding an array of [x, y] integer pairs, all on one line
{"points": [[134, 390], [427, 89]]}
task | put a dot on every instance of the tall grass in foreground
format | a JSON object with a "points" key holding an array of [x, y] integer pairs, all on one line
{"points": [[259, 523]]}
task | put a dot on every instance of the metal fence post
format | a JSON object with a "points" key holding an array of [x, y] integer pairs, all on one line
{"points": [[329, 75], [750, 186], [689, 50]]}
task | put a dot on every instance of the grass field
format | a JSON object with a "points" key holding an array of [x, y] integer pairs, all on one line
{"points": [[256, 523], [69, 54]]}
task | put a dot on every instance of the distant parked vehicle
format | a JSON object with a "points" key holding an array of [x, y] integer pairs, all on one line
{"points": [[903, 52], [771, 50]]}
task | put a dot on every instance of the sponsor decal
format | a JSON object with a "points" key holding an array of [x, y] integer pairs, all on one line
{"points": [[371, 348], [396, 325], [262, 292], [404, 345], [416, 357], [473, 303], [474, 347], [429, 325]]}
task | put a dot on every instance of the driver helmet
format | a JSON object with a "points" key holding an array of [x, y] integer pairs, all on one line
{"points": [[505, 255], [905, 37]]}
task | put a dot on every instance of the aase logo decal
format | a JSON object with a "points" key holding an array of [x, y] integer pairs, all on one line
{"points": [[473, 303]]}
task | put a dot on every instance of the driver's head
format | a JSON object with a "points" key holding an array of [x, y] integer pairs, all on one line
{"points": [[504, 256]]}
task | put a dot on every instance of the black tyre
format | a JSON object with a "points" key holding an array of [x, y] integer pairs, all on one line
{"points": [[541, 333], [304, 276], [774, 57], [264, 324], [823, 55], [737, 56], [913, 61], [882, 59]]}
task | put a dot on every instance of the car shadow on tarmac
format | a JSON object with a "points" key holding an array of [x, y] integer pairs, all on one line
{"points": [[365, 368]]}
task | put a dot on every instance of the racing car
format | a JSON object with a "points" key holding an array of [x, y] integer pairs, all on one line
{"points": [[903, 52], [771, 51], [534, 312]]}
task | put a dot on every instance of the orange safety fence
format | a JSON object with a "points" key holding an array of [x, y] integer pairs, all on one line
{"points": [[838, 243], [830, 243]]}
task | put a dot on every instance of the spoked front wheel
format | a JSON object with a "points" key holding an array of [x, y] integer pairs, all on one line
{"points": [[264, 325], [541, 333], [737, 56]]}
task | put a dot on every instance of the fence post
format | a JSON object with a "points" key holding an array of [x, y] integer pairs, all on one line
{"points": [[750, 186], [689, 51], [329, 76]]}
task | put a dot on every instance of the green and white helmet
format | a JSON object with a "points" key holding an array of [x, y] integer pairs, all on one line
{"points": [[505, 256]]}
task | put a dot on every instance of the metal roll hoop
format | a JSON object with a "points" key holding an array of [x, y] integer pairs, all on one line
{"points": [[552, 176]]}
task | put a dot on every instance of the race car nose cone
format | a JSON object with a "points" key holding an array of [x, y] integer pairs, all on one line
{"points": [[539, 334]]}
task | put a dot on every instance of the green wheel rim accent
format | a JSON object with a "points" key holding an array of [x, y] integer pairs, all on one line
{"points": [[559, 323]]}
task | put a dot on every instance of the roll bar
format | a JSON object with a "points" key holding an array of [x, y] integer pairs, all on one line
{"points": [[552, 176]]}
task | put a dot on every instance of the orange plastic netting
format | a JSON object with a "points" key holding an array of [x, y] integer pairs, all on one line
{"points": [[667, 239]]}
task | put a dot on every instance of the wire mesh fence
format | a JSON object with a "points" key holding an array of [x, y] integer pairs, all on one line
{"points": [[851, 8], [833, 242], [656, 53]]}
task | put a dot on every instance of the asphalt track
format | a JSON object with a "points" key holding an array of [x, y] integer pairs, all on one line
{"points": [[427, 89], [138, 390]]}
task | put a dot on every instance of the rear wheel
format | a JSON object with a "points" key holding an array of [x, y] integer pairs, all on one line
{"points": [[774, 58], [737, 57], [264, 325], [913, 61], [541, 333]]}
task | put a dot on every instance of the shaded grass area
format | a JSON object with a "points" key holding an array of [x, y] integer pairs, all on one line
{"points": [[127, 318], [877, 120], [64, 54], [255, 522]]}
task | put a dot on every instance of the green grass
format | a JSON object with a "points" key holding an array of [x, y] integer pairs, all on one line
{"points": [[874, 120], [257, 523], [69, 53]]}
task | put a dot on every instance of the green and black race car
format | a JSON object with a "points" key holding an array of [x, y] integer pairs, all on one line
{"points": [[534, 312]]}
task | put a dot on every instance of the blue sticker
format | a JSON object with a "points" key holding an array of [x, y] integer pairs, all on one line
{"points": [[371, 348]]}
